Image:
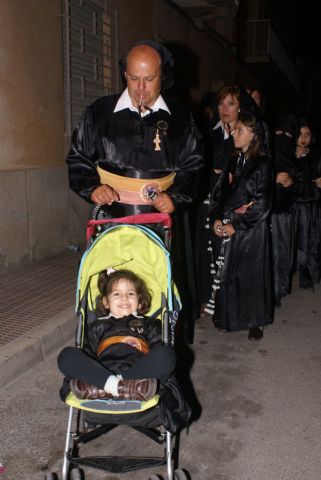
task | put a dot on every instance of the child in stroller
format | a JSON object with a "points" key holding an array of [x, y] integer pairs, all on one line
{"points": [[125, 357]]}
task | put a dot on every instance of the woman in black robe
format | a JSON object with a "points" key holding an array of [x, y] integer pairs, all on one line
{"points": [[230, 101], [219, 143], [306, 210], [282, 225], [240, 207]]}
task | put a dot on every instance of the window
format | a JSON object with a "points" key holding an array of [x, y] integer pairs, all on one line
{"points": [[90, 51]]}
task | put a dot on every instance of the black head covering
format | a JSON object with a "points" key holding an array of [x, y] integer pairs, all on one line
{"points": [[285, 142], [288, 124], [167, 61], [304, 122]]}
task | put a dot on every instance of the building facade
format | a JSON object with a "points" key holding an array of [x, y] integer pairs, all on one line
{"points": [[57, 57]]}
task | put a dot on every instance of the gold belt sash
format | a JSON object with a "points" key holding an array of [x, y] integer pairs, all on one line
{"points": [[136, 191], [138, 343]]}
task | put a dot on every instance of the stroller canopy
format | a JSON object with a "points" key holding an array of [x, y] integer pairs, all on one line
{"points": [[129, 247]]}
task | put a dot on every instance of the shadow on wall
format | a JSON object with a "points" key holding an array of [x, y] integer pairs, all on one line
{"points": [[186, 74]]}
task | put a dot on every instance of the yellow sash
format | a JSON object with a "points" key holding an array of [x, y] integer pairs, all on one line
{"points": [[136, 191]]}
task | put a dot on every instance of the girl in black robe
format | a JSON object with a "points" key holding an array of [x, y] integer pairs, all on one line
{"points": [[240, 207], [306, 210]]}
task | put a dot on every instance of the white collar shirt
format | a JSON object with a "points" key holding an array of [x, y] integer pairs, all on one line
{"points": [[220, 125], [124, 102]]}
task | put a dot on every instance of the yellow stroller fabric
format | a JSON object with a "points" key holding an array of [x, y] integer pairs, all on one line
{"points": [[134, 248], [139, 249]]}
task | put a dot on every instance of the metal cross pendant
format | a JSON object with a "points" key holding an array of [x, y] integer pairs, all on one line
{"points": [[157, 141]]}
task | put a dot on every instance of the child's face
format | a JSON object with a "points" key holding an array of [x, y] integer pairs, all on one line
{"points": [[304, 139], [242, 136], [122, 300]]}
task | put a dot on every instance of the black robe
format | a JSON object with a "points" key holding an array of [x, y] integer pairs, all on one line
{"points": [[282, 225], [118, 357], [244, 298], [174, 411], [123, 143], [307, 221], [206, 245]]}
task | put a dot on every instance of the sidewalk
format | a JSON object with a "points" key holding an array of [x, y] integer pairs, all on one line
{"points": [[37, 314], [256, 406]]}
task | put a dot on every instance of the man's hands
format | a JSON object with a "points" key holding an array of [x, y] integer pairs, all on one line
{"points": [[164, 203], [104, 195]]}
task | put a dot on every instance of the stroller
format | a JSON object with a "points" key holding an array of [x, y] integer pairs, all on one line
{"points": [[127, 243]]}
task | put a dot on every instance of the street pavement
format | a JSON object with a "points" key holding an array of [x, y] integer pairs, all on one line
{"points": [[256, 406]]}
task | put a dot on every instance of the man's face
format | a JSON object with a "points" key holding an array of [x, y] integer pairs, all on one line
{"points": [[143, 75]]}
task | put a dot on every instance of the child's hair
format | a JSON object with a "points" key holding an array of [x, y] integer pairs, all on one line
{"points": [[106, 283], [251, 122]]}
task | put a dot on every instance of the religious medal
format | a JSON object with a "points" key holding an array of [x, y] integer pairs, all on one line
{"points": [[150, 191], [162, 126], [157, 141]]}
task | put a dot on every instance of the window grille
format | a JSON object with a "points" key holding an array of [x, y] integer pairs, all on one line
{"points": [[90, 52]]}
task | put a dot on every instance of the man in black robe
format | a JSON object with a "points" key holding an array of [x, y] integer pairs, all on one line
{"points": [[135, 153]]}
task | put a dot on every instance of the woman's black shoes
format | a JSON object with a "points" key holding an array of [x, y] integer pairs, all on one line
{"points": [[255, 333]]}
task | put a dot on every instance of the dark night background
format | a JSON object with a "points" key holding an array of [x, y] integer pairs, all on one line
{"points": [[307, 33]]}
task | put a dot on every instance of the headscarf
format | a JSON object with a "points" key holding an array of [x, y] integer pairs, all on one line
{"points": [[284, 143]]}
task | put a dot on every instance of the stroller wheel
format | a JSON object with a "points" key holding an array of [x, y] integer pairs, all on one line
{"points": [[51, 476], [180, 475], [76, 474]]}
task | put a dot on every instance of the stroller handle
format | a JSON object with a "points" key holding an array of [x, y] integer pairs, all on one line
{"points": [[143, 218]]}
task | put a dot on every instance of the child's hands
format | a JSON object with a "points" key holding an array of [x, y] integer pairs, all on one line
{"points": [[300, 151], [217, 227], [228, 230], [222, 230], [285, 179]]}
